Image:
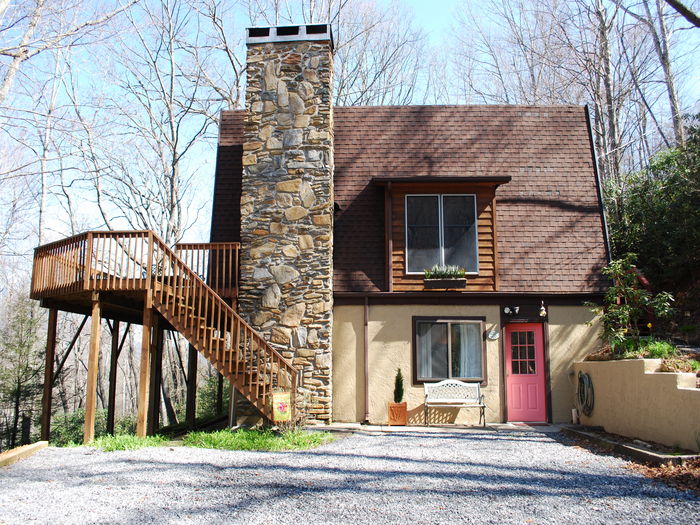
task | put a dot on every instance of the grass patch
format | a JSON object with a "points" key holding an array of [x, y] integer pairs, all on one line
{"points": [[244, 439], [127, 442]]}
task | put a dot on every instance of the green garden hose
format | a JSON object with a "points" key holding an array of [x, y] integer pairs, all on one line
{"points": [[584, 394]]}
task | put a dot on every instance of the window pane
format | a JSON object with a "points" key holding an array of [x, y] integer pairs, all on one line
{"points": [[432, 350], [459, 223], [423, 232], [457, 246], [423, 248], [422, 210], [466, 350]]}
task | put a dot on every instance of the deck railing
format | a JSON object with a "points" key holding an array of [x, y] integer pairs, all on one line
{"points": [[141, 261], [59, 267], [215, 262]]}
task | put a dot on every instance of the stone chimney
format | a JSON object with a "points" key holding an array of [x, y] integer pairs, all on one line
{"points": [[286, 257]]}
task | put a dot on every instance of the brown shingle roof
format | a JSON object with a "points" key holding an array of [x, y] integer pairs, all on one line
{"points": [[550, 234]]}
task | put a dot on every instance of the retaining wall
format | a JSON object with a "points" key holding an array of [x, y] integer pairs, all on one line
{"points": [[632, 399]]}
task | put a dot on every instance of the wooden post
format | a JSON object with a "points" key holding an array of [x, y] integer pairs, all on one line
{"points": [[233, 408], [48, 375], [145, 366], [191, 404], [112, 397], [91, 387], [156, 379], [220, 394]]}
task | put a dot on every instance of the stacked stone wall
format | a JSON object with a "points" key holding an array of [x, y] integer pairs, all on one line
{"points": [[287, 210]]}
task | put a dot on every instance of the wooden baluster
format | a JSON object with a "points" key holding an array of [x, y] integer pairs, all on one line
{"points": [[149, 261], [87, 263], [186, 293], [256, 367], [237, 344], [122, 252], [175, 299], [235, 274]]}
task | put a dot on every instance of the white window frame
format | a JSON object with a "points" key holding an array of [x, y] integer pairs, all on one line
{"points": [[441, 227], [448, 322]]}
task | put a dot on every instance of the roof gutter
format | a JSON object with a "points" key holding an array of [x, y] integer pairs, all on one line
{"points": [[599, 189]]}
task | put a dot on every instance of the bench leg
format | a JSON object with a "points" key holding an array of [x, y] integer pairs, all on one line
{"points": [[426, 416], [482, 416]]}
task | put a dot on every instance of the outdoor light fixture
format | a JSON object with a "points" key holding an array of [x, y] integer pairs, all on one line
{"points": [[543, 310], [511, 310], [492, 335]]}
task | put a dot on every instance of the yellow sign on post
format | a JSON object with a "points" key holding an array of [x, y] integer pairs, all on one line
{"points": [[281, 407]]}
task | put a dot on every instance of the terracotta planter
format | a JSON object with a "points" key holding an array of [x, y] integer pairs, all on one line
{"points": [[445, 283], [398, 414]]}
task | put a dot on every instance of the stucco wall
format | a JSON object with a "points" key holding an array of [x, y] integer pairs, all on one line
{"points": [[570, 340], [390, 333], [631, 400]]}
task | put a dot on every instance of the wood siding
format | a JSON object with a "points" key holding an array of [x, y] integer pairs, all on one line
{"points": [[486, 280]]}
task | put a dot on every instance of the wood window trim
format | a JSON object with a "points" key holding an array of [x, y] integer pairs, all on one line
{"points": [[441, 227], [449, 319]]}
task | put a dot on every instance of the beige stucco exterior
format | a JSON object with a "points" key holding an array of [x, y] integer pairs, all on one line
{"points": [[570, 340], [390, 347], [631, 399]]}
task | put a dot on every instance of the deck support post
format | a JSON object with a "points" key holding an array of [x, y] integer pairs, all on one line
{"points": [[112, 397], [191, 404], [48, 375], [93, 364], [220, 394], [233, 408], [156, 379], [145, 366]]}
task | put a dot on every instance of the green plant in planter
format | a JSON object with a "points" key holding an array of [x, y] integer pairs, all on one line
{"points": [[445, 272], [398, 386], [626, 304]]}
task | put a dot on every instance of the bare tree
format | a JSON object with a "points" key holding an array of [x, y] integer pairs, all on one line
{"points": [[138, 171], [657, 28], [30, 29], [685, 12]]}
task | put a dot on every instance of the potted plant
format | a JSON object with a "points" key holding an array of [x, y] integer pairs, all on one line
{"points": [[398, 412], [441, 276]]}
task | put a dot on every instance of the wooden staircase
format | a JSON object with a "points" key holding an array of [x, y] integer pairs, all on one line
{"points": [[139, 265]]}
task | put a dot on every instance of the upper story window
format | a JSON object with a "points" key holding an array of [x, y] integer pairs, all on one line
{"points": [[441, 229]]}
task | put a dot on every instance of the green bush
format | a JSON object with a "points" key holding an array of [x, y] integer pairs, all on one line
{"points": [[626, 306], [658, 349], [67, 429], [206, 397], [244, 439]]}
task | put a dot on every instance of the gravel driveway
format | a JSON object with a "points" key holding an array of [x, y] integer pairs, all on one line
{"points": [[461, 476]]}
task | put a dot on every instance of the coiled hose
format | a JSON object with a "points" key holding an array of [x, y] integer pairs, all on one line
{"points": [[584, 394]]}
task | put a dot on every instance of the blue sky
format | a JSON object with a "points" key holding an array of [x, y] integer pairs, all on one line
{"points": [[435, 16]]}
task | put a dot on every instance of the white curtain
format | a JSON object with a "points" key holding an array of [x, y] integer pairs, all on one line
{"points": [[466, 350]]}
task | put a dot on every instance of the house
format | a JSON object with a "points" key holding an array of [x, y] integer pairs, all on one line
{"points": [[339, 211], [324, 220]]}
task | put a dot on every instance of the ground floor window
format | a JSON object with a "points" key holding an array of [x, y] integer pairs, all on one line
{"points": [[448, 349]]}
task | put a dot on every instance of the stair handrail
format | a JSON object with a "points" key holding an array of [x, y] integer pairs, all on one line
{"points": [[195, 278], [102, 273]]}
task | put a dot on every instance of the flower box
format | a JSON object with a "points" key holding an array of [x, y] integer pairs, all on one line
{"points": [[445, 283]]}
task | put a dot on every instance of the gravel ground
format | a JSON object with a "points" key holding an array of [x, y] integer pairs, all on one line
{"points": [[468, 476]]}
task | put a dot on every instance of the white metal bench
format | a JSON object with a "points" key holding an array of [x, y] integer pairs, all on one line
{"points": [[454, 393]]}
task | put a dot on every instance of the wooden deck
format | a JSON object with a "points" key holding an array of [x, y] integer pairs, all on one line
{"points": [[133, 276]]}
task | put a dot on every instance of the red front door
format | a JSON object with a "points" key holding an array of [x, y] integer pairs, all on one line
{"points": [[525, 374]]}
